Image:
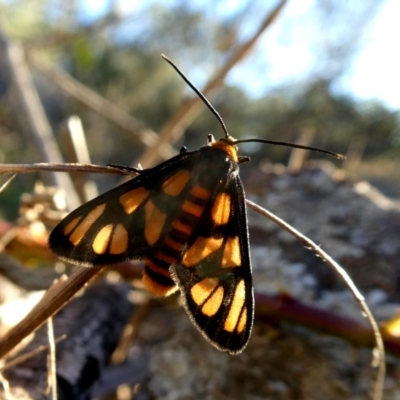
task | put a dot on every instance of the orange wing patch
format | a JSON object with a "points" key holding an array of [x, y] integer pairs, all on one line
{"points": [[232, 257], [212, 305], [221, 209], [131, 200], [236, 307], [119, 241], [202, 290], [175, 184], [100, 242], [154, 222], [200, 249], [85, 225], [70, 226], [242, 321]]}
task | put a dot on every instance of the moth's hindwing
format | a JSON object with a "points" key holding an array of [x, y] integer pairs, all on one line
{"points": [[215, 272]]}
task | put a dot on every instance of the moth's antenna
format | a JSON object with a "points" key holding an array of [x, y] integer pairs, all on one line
{"points": [[297, 146], [221, 121], [201, 95]]}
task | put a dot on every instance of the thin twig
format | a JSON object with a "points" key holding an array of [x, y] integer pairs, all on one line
{"points": [[7, 182], [6, 388], [23, 357], [62, 167], [76, 149], [52, 370], [379, 356]]}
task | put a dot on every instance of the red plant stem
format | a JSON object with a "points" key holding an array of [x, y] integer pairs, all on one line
{"points": [[284, 307]]}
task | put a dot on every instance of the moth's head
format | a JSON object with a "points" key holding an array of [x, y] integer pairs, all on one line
{"points": [[228, 145]]}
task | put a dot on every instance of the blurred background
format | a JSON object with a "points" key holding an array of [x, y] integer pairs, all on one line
{"points": [[84, 81]]}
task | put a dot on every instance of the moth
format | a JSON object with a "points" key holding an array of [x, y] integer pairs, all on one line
{"points": [[186, 219]]}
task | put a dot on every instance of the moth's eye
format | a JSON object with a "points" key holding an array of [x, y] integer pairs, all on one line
{"points": [[183, 149]]}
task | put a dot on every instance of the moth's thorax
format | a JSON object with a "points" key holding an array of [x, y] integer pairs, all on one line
{"points": [[228, 146]]}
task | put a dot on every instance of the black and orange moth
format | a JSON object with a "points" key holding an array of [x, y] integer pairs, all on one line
{"points": [[186, 219]]}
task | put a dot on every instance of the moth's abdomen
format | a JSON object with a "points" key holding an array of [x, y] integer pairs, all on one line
{"points": [[156, 275]]}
